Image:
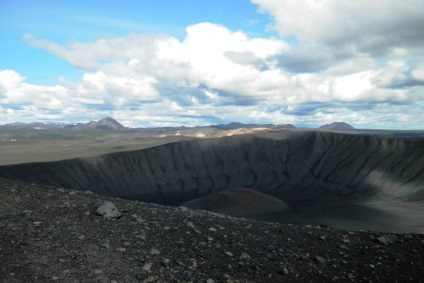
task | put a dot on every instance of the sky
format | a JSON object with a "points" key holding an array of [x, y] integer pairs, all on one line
{"points": [[201, 62]]}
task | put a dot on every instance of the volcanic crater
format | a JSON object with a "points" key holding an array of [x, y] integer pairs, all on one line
{"points": [[344, 180]]}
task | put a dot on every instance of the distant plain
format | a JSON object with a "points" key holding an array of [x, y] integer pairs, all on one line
{"points": [[41, 145]]}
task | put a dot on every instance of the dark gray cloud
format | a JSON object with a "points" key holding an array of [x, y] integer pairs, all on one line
{"points": [[183, 96], [311, 58], [405, 33], [408, 83], [397, 79], [304, 63], [307, 108], [228, 98]]}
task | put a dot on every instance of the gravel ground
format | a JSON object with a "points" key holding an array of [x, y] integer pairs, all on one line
{"points": [[55, 235]]}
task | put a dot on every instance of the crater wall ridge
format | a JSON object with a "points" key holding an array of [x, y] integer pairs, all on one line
{"points": [[288, 164]]}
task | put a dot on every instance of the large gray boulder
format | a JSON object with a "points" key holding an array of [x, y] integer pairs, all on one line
{"points": [[108, 210]]}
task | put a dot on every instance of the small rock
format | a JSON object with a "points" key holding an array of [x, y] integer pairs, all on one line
{"points": [[320, 259], [147, 267], [386, 239], [244, 256], [285, 271], [108, 210], [193, 263], [165, 261], [229, 253], [343, 247], [210, 281], [212, 229], [121, 249], [183, 208], [270, 248], [187, 274], [141, 275], [154, 252]]}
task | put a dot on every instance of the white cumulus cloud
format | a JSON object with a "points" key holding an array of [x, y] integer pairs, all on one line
{"points": [[345, 67]]}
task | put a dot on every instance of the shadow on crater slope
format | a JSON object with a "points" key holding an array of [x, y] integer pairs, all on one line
{"points": [[345, 180]]}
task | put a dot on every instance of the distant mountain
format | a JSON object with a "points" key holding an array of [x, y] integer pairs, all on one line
{"points": [[104, 124], [338, 126], [230, 126], [15, 124], [107, 123], [33, 125], [285, 126]]}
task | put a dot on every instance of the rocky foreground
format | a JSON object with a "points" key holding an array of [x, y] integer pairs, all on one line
{"points": [[51, 234]]}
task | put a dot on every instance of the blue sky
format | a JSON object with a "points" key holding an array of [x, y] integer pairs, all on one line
{"points": [[68, 21], [157, 63]]}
